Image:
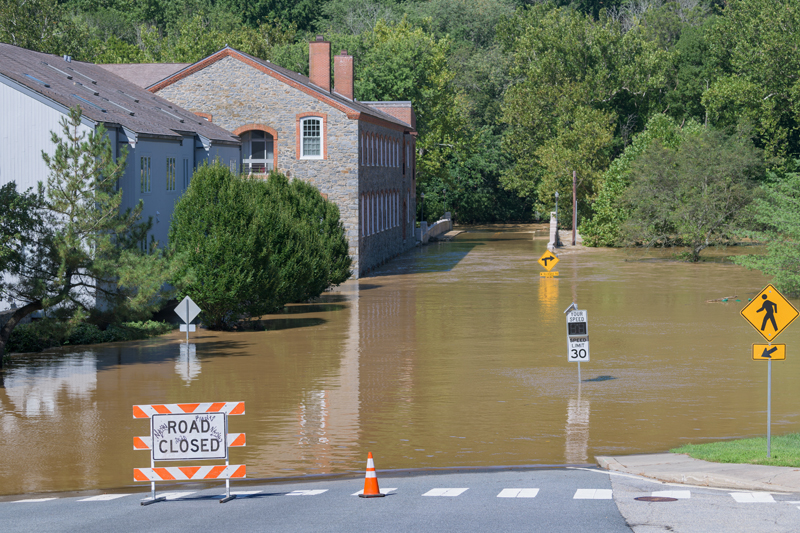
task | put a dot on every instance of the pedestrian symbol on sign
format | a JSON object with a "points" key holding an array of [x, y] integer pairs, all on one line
{"points": [[769, 307], [769, 313]]}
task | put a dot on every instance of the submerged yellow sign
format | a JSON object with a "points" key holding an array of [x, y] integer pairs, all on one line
{"points": [[769, 312], [548, 260], [769, 352]]}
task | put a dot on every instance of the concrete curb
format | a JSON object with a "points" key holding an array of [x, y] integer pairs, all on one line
{"points": [[678, 468]]}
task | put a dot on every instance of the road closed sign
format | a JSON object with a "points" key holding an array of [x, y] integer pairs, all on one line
{"points": [[178, 437]]}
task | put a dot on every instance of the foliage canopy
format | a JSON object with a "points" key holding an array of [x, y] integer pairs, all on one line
{"points": [[244, 247]]}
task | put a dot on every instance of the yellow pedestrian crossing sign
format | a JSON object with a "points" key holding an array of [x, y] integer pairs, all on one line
{"points": [[548, 260], [770, 313]]}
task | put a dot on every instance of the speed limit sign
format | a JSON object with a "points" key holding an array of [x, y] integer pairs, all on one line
{"points": [[578, 349], [577, 334]]}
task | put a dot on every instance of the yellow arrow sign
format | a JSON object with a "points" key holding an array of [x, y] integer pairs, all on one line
{"points": [[548, 260], [769, 352], [769, 312]]}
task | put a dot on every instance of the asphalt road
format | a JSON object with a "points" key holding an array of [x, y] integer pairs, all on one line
{"points": [[547, 500]]}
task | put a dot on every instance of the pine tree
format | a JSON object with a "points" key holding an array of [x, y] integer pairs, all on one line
{"points": [[85, 257]]}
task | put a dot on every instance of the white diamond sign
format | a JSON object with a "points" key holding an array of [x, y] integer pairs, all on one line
{"points": [[187, 310]]}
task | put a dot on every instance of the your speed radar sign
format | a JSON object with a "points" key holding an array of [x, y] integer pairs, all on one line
{"points": [[578, 336]]}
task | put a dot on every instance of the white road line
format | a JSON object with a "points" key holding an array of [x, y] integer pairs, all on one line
{"points": [[752, 497], [445, 492], [34, 500], [171, 495], [679, 494], [307, 492], [592, 494], [241, 493], [103, 497], [518, 493], [383, 491]]}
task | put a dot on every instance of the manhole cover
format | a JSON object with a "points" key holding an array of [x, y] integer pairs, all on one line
{"points": [[655, 499]]}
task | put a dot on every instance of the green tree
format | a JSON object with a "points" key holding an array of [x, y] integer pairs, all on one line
{"points": [[85, 256], [404, 62], [39, 25], [19, 221], [608, 213], [244, 247], [577, 80], [696, 195], [754, 47], [778, 214]]}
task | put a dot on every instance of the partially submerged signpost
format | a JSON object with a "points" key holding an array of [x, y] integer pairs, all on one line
{"points": [[778, 313], [577, 336], [548, 261], [189, 431], [187, 310]]}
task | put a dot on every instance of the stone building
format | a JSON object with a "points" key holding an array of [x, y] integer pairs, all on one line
{"points": [[358, 154]]}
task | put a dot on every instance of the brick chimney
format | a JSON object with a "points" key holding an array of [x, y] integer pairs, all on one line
{"points": [[319, 63], [343, 75]]}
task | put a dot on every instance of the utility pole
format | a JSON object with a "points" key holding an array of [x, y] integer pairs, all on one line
{"points": [[574, 206]]}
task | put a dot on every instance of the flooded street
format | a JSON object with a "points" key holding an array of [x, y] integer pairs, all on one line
{"points": [[451, 355]]}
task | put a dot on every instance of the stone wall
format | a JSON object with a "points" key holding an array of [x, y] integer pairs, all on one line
{"points": [[237, 95], [384, 178]]}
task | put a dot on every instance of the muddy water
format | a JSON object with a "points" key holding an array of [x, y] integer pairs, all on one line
{"points": [[453, 354]]}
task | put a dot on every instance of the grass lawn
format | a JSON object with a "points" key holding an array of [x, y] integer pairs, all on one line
{"points": [[785, 451]]}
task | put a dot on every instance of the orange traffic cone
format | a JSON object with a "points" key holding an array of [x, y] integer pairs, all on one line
{"points": [[371, 489]]}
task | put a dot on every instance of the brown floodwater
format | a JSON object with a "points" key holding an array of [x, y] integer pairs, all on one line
{"points": [[453, 354]]}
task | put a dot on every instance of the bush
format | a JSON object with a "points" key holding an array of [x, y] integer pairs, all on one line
{"points": [[243, 247], [43, 334], [608, 213]]}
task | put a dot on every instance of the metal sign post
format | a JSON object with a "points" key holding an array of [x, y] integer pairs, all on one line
{"points": [[769, 408], [548, 261], [187, 310], [770, 313], [577, 336]]}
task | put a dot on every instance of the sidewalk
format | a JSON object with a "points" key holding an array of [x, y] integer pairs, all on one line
{"points": [[678, 468]]}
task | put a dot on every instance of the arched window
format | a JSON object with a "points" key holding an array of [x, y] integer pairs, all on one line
{"points": [[257, 152], [312, 138]]}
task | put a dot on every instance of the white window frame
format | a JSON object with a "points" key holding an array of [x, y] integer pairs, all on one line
{"points": [[186, 174], [303, 122], [145, 174], [171, 172]]}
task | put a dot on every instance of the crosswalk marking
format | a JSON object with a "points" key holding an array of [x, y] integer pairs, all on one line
{"points": [[103, 497], [313, 492], [592, 494], [518, 493], [679, 494], [445, 492], [383, 491], [34, 500], [172, 495], [752, 497]]}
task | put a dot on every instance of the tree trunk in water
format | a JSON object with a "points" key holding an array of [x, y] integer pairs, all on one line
{"points": [[16, 318]]}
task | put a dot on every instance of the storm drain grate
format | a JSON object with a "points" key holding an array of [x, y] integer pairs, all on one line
{"points": [[655, 499]]}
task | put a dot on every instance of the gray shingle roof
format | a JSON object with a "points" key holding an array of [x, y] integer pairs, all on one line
{"points": [[103, 96], [145, 74]]}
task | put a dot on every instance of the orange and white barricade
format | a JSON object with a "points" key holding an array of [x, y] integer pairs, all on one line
{"points": [[189, 431]]}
